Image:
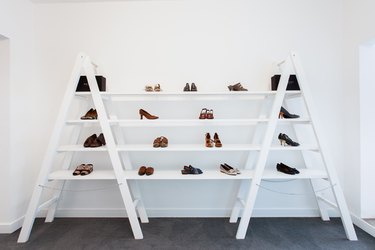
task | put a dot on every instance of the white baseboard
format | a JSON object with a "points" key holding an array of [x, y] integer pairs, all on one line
{"points": [[364, 225], [8, 228], [192, 212]]}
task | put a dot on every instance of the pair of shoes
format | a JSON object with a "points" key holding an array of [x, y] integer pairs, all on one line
{"points": [[206, 114], [94, 141], [145, 170], [285, 140], [210, 143], [144, 113], [191, 170], [160, 142], [285, 114], [192, 88], [83, 169], [281, 167], [156, 88], [226, 169], [236, 87], [90, 115]]}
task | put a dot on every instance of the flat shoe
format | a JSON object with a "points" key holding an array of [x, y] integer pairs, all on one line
{"points": [[149, 171], [78, 169], [87, 169], [142, 170]]}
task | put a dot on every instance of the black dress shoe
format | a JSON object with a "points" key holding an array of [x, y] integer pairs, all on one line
{"points": [[193, 87], [285, 114], [187, 87], [281, 167], [285, 140]]}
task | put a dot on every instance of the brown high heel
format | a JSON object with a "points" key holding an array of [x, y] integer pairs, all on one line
{"points": [[144, 113], [209, 142], [217, 141]]}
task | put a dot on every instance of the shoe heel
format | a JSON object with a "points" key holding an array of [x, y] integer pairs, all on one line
{"points": [[282, 142], [281, 115], [141, 117]]}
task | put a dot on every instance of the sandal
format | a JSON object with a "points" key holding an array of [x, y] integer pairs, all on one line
{"points": [[157, 88], [87, 169], [78, 169], [191, 170], [148, 88]]}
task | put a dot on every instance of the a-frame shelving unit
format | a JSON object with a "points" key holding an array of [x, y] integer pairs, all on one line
{"points": [[84, 66], [246, 197], [252, 174]]}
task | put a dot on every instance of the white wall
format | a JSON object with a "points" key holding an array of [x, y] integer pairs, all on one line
{"points": [[211, 43], [358, 23], [16, 23], [4, 124]]}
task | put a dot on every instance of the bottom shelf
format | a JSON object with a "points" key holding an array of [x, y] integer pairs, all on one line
{"points": [[176, 175]]}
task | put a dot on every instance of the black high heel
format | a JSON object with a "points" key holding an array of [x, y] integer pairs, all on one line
{"points": [[285, 114], [285, 140]]}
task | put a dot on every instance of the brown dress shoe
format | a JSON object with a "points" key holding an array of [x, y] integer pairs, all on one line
{"points": [[210, 114], [142, 170], [203, 114], [97, 142], [89, 141], [144, 113], [149, 171]]}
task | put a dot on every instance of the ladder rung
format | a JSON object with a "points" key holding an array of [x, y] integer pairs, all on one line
{"points": [[48, 203]]}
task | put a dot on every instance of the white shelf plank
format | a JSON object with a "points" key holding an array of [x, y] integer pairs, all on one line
{"points": [[176, 175], [173, 122], [298, 148], [94, 175], [80, 148], [297, 120], [186, 148], [304, 174]]}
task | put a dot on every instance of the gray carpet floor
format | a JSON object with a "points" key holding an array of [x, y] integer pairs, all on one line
{"points": [[188, 233]]}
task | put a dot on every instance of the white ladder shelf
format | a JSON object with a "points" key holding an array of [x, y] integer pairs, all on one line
{"points": [[122, 170]]}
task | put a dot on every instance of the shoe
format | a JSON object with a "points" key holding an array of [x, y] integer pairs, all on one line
{"points": [[285, 114], [148, 88], [236, 87], [87, 169], [187, 87], [285, 140], [90, 140], [157, 88], [203, 114], [157, 142], [90, 115], [163, 142], [217, 141], [191, 170], [142, 170], [193, 87], [281, 167], [209, 142], [78, 169], [144, 113], [98, 141], [235, 169], [149, 171], [210, 114], [224, 169]]}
